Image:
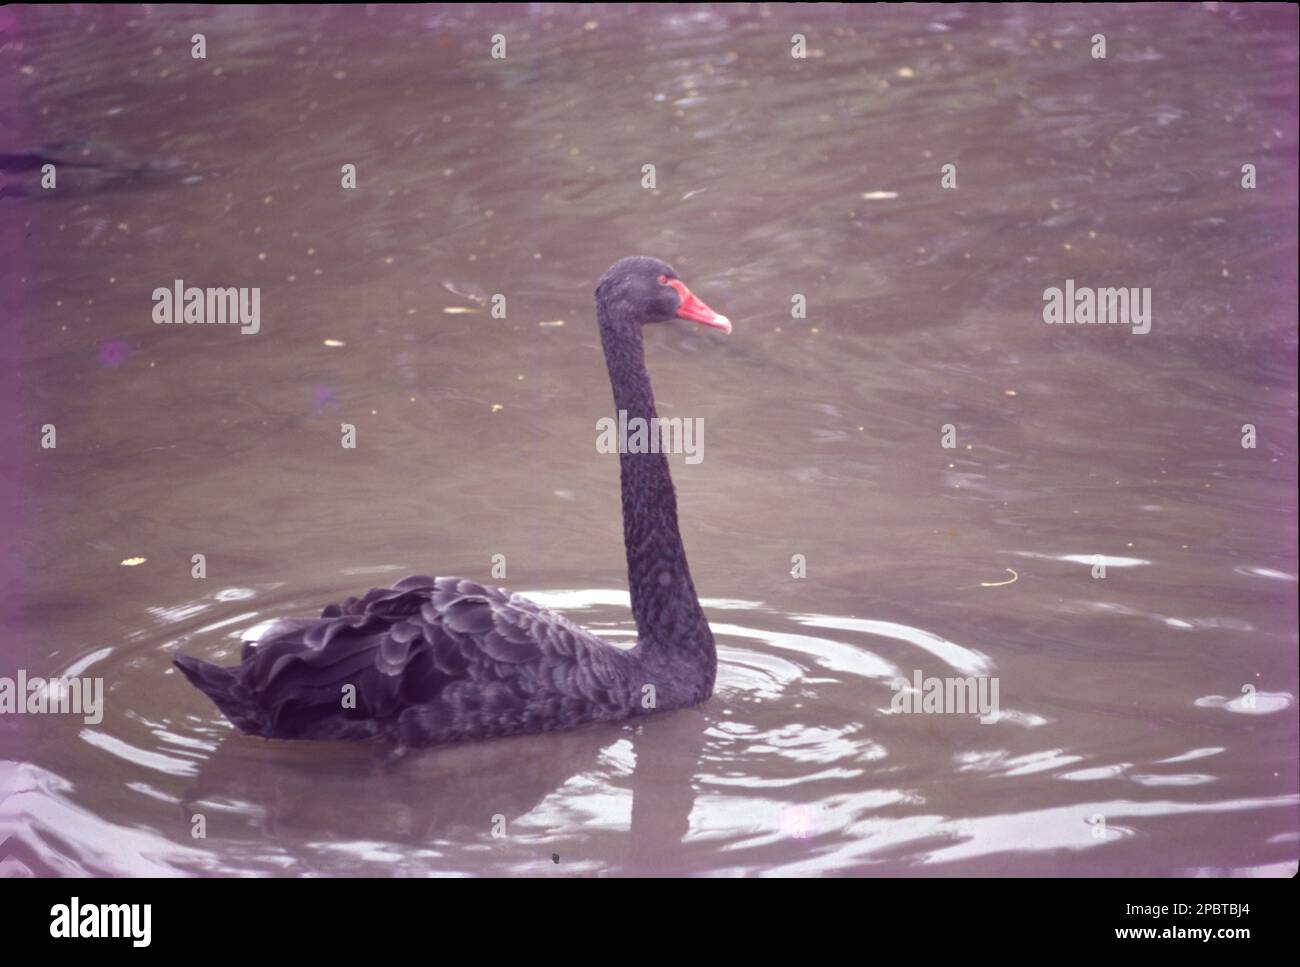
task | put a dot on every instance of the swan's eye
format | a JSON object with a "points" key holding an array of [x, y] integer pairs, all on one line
{"points": [[663, 280]]}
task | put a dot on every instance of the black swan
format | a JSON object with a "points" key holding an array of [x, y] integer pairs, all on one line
{"points": [[437, 660]]}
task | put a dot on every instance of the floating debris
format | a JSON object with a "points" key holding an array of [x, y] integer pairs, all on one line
{"points": [[334, 342], [551, 323], [458, 310], [497, 407], [134, 561], [1000, 584], [879, 195]]}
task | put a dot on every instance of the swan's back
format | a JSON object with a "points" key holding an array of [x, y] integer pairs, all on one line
{"points": [[425, 662]]}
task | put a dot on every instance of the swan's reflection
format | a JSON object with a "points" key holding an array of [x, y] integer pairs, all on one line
{"points": [[669, 752], [451, 798]]}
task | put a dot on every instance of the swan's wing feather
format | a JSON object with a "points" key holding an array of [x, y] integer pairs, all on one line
{"points": [[442, 654]]}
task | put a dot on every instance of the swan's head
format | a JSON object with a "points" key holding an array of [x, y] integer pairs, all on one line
{"points": [[640, 289]]}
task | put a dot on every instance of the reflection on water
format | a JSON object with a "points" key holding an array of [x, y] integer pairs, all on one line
{"points": [[791, 769], [1098, 541]]}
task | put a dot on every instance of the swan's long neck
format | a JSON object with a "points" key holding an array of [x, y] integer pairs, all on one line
{"points": [[668, 614]]}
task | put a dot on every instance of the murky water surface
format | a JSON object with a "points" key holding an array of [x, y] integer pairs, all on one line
{"points": [[1148, 717]]}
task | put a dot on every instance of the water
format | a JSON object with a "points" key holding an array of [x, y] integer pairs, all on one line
{"points": [[1126, 744]]}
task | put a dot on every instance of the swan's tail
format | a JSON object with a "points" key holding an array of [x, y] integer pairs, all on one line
{"points": [[223, 686]]}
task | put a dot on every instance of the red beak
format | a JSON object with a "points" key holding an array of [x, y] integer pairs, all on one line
{"points": [[695, 310]]}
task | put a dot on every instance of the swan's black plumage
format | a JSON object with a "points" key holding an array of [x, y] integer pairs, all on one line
{"points": [[437, 660], [430, 660]]}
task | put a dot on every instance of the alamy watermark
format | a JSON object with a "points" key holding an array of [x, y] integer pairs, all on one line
{"points": [[75, 920], [53, 696], [1085, 306], [952, 696], [194, 306], [655, 435]]}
